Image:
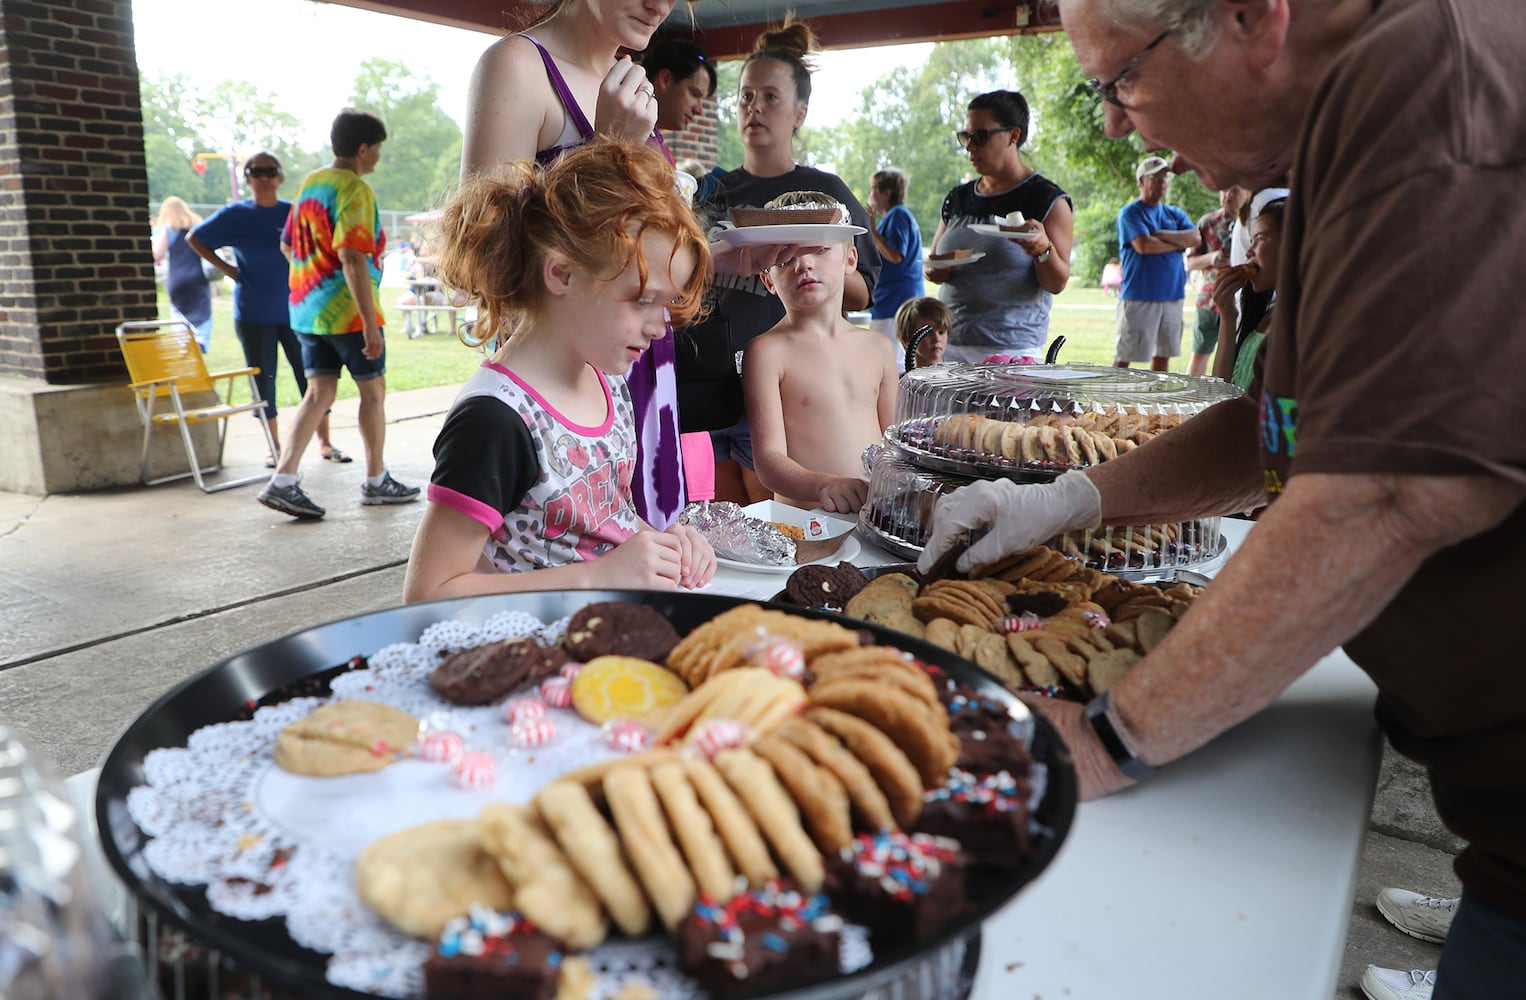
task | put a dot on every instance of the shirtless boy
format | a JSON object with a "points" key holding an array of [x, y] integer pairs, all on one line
{"points": [[818, 389]]}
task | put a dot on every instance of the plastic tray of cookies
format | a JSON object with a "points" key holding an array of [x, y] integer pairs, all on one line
{"points": [[1036, 620], [302, 663], [1032, 422], [903, 494]]}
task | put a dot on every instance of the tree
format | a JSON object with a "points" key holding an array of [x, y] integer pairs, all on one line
{"points": [[422, 155], [231, 119], [907, 118]]}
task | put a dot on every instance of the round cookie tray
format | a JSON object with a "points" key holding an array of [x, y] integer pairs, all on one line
{"points": [[220, 692]]}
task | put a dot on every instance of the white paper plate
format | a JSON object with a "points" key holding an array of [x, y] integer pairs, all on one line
{"points": [[988, 230], [957, 262], [747, 236]]}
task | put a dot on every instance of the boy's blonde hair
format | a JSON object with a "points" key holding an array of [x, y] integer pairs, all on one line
{"points": [[917, 313], [591, 207]]}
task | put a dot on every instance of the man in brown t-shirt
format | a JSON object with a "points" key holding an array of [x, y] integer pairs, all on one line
{"points": [[1388, 426]]}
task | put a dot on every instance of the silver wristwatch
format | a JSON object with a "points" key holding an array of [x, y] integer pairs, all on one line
{"points": [[1040, 258]]}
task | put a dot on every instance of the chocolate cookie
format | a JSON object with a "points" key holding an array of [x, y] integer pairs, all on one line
{"points": [[817, 586], [482, 674], [616, 628]]}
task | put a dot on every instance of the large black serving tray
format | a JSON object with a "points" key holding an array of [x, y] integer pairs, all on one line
{"points": [[222, 693]]}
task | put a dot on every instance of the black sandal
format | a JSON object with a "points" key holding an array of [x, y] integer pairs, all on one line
{"points": [[335, 455]]}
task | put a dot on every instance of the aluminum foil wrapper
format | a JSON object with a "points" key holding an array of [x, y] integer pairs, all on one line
{"points": [[738, 537]]}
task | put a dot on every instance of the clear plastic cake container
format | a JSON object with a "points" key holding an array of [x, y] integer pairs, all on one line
{"points": [[1034, 422], [903, 495]]}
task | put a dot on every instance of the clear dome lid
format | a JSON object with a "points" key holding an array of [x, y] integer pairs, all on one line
{"points": [[1033, 422], [898, 517]]}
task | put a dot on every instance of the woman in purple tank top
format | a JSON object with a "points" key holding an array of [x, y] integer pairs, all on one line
{"points": [[528, 96]]}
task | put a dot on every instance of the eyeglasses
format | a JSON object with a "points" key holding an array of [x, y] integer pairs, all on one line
{"points": [[979, 136], [262, 171], [1109, 91]]}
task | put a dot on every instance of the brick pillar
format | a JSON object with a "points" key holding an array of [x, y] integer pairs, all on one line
{"points": [[74, 258], [698, 140], [74, 245]]}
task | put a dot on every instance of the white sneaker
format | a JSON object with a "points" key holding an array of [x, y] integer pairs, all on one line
{"points": [[1396, 984], [1423, 917]]}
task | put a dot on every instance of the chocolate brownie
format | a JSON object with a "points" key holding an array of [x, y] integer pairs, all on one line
{"points": [[904, 888], [818, 586], [986, 741], [762, 941], [482, 674], [492, 955], [616, 628], [989, 815]]}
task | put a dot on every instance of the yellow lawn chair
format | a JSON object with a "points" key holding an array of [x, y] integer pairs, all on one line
{"points": [[163, 361]]}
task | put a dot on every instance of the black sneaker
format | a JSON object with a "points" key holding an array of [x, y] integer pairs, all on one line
{"points": [[390, 491], [290, 500]]}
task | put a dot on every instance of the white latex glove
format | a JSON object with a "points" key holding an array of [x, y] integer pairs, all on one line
{"points": [[1019, 517]]}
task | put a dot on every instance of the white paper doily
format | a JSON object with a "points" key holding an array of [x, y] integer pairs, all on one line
{"points": [[268, 843]]}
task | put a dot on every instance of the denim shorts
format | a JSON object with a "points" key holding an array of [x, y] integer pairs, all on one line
{"points": [[733, 443], [327, 354]]}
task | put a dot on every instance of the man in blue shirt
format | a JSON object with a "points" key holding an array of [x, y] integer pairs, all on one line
{"points": [[1152, 236], [253, 229]]}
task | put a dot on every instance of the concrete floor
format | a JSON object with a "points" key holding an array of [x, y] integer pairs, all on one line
{"points": [[108, 599]]}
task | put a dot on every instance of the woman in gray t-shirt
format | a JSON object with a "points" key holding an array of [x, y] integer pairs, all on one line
{"points": [[1001, 302]]}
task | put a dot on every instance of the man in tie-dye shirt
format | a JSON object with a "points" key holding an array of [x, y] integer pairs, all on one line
{"points": [[334, 241]]}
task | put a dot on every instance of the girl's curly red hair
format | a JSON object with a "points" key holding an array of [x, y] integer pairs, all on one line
{"points": [[591, 207]]}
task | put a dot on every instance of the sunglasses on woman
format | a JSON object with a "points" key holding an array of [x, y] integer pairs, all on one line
{"points": [[262, 171], [978, 136]]}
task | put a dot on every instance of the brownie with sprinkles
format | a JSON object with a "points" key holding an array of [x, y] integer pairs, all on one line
{"points": [[988, 814], [986, 741], [904, 888], [492, 955], [763, 940]]}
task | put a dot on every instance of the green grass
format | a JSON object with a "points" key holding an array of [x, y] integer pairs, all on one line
{"points": [[1084, 316], [440, 359]]}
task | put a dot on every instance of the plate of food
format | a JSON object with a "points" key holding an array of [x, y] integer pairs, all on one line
{"points": [[460, 846], [799, 235], [952, 258], [821, 539], [1005, 232]]}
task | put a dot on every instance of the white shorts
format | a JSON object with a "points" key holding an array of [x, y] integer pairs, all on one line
{"points": [[1148, 330]]}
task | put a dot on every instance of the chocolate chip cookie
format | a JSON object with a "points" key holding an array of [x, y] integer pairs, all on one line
{"points": [[482, 674], [818, 586], [616, 628]]}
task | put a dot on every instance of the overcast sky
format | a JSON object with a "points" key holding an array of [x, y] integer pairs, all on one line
{"points": [[307, 54]]}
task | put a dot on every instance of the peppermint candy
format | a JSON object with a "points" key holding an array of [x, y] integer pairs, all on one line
{"points": [[517, 710], [627, 736], [556, 692], [1096, 619], [532, 733], [442, 747], [570, 670], [778, 656], [717, 735], [1025, 622], [475, 769]]}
